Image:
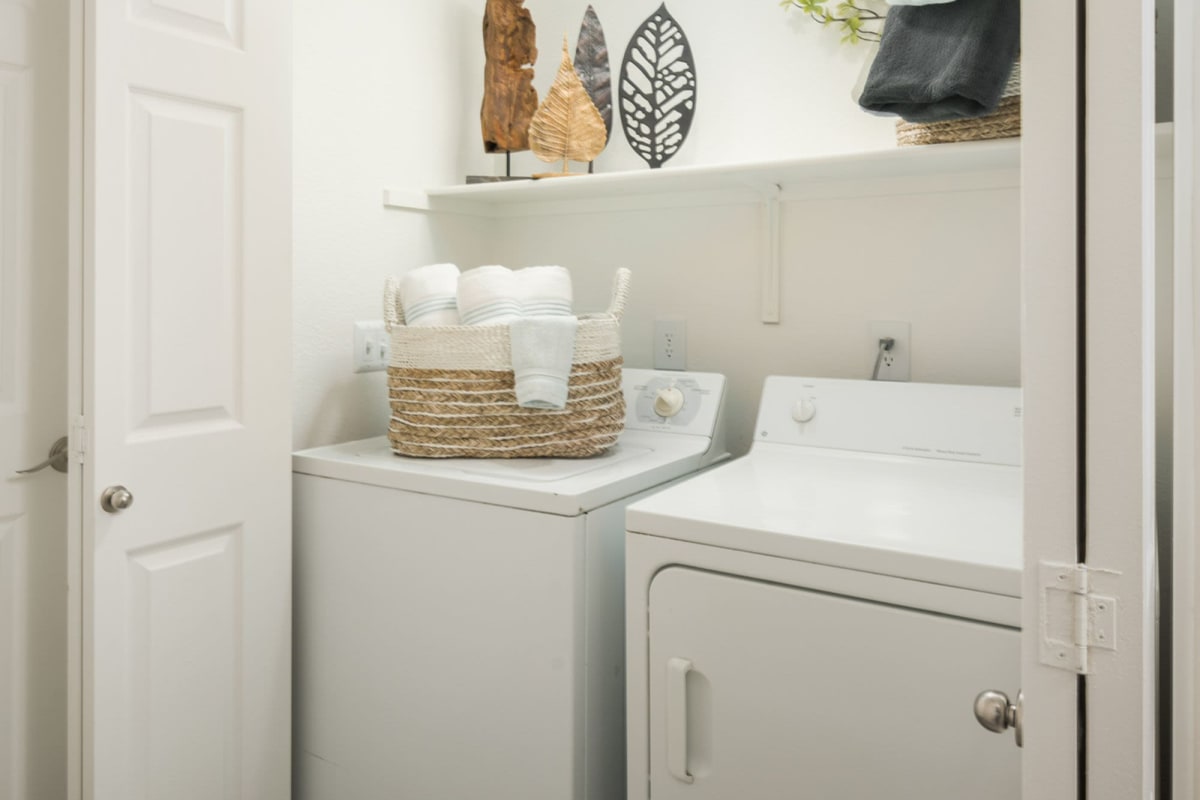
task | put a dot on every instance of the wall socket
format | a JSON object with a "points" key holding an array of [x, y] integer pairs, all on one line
{"points": [[670, 344], [895, 364], [371, 346]]}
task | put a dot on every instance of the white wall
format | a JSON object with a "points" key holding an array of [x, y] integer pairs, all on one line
{"points": [[383, 96], [770, 83], [387, 94], [946, 263]]}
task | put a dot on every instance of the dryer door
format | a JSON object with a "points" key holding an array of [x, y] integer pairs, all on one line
{"points": [[765, 691]]}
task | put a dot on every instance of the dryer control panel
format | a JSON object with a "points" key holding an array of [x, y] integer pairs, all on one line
{"points": [[960, 423], [676, 402]]}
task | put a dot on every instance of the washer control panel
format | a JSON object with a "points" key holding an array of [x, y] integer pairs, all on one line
{"points": [[681, 402]]}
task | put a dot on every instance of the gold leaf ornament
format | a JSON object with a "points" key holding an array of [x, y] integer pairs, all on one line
{"points": [[567, 126]]}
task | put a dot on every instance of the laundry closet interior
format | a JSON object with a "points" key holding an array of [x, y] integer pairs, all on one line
{"points": [[787, 229]]}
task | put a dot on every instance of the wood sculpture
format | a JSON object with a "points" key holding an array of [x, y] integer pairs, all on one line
{"points": [[509, 99], [567, 126], [658, 88]]}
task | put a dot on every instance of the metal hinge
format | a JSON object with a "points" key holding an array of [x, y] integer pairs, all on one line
{"points": [[1076, 618], [77, 440]]}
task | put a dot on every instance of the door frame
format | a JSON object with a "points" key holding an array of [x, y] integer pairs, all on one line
{"points": [[1087, 372], [1186, 567], [77, 436]]}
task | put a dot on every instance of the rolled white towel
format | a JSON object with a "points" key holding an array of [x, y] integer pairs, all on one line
{"points": [[488, 296], [544, 291], [428, 295], [542, 348]]}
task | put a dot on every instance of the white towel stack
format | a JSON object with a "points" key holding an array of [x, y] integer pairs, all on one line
{"points": [[544, 291], [428, 295], [488, 296]]}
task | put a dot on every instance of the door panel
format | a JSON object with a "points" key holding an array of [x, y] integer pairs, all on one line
{"points": [[794, 693], [33, 274], [186, 398]]}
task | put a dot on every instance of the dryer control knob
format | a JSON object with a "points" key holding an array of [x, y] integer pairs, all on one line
{"points": [[804, 410], [669, 402]]}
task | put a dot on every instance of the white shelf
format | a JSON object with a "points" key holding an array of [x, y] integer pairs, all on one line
{"points": [[964, 166], [898, 170], [934, 168]]}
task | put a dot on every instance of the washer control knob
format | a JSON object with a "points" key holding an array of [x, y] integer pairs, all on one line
{"points": [[669, 402], [804, 410]]}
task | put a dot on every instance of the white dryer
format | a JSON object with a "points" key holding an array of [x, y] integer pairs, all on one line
{"points": [[459, 623], [816, 619]]}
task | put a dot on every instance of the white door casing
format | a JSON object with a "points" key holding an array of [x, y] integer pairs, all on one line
{"points": [[1119, 295], [33, 274], [1187, 406], [1049, 221], [184, 348]]}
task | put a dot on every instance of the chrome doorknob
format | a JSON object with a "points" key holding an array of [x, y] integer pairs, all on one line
{"points": [[56, 460], [997, 714], [116, 498]]}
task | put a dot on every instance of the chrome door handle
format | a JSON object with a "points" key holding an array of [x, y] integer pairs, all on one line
{"points": [[116, 498], [994, 712], [57, 460]]}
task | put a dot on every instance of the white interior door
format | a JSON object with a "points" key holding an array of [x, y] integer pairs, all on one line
{"points": [[185, 395], [33, 414]]}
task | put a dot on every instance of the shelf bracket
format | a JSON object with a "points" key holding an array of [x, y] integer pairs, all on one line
{"points": [[770, 279]]}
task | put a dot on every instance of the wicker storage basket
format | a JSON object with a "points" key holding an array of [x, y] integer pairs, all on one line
{"points": [[452, 391], [1003, 123]]}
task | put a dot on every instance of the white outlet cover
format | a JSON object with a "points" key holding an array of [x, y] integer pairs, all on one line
{"points": [[371, 343]]}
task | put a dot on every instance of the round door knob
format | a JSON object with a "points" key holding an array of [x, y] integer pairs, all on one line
{"points": [[994, 712], [669, 402], [116, 498], [804, 410]]}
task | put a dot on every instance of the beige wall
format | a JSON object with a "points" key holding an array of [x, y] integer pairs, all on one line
{"points": [[947, 263], [382, 97]]}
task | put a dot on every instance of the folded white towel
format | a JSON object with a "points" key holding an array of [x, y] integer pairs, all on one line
{"points": [[544, 291], [488, 296], [428, 295], [542, 348]]}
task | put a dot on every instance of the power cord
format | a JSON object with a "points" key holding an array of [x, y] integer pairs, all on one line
{"points": [[885, 344]]}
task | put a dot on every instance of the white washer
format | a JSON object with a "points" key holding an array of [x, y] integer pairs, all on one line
{"points": [[815, 619], [459, 623]]}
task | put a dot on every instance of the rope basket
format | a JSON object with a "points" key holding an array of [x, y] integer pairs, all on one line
{"points": [[1003, 123], [452, 389]]}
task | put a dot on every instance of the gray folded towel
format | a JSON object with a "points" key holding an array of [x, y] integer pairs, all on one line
{"points": [[941, 62]]}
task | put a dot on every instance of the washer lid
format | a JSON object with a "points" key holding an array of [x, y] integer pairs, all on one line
{"points": [[946, 522], [567, 486]]}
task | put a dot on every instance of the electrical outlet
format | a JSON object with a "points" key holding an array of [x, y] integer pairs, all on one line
{"points": [[670, 344], [895, 364], [371, 345]]}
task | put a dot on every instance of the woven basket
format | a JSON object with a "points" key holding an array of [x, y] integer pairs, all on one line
{"points": [[1003, 123], [452, 390]]}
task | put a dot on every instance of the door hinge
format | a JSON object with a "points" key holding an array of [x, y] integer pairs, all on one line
{"points": [[77, 440], [1077, 608]]}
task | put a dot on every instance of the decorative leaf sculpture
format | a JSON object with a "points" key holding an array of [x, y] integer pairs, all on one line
{"points": [[658, 88], [591, 62], [509, 99], [567, 126]]}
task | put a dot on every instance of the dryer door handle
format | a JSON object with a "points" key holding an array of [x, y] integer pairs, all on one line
{"points": [[677, 718]]}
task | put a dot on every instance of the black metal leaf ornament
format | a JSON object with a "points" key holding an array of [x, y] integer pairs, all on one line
{"points": [[658, 88], [591, 64]]}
